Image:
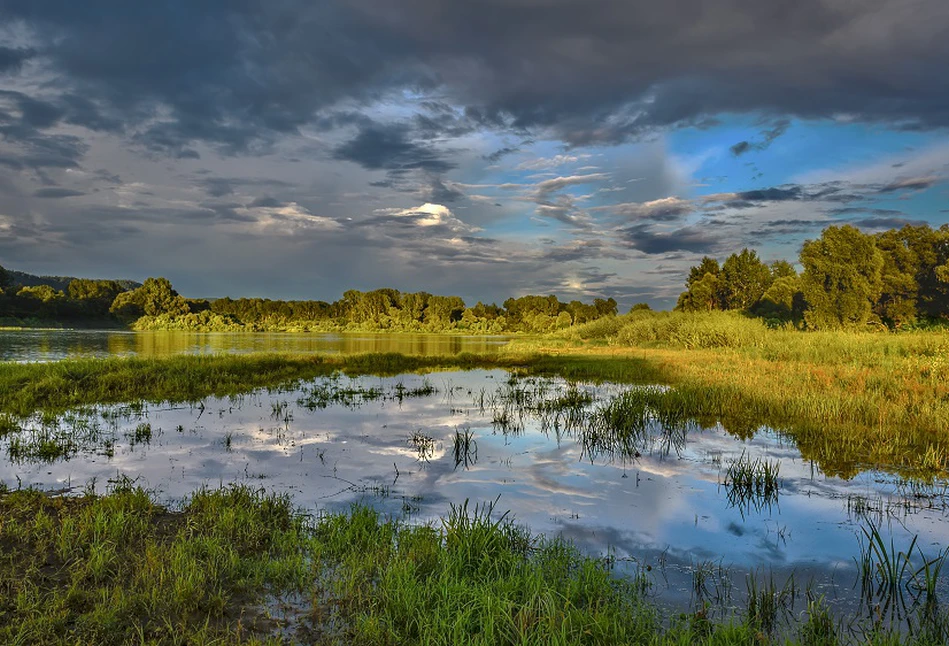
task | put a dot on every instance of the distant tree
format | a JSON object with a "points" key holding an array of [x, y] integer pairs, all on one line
{"points": [[842, 278], [640, 307], [43, 293], [701, 288], [155, 297], [899, 289], [782, 269], [5, 280], [744, 280], [784, 300], [98, 294], [931, 249], [706, 266], [487, 312], [605, 307], [703, 295], [442, 311]]}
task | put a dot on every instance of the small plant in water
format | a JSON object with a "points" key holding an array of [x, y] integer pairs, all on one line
{"points": [[464, 448], [752, 482], [424, 445]]}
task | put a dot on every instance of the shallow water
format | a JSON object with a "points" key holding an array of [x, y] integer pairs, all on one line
{"points": [[52, 345], [391, 442]]}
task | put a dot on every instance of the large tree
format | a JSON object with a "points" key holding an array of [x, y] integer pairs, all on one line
{"points": [[701, 287], [842, 278], [744, 280]]}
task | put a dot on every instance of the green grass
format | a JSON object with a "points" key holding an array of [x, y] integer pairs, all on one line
{"points": [[121, 569]]}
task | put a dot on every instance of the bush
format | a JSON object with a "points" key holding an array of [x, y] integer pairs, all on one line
{"points": [[693, 330]]}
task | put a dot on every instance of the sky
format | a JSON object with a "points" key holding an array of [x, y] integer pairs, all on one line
{"points": [[486, 148]]}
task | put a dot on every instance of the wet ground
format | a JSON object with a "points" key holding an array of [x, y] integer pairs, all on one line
{"points": [[663, 505]]}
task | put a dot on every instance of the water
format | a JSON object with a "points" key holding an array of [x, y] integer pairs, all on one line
{"points": [[397, 443], [52, 345]]}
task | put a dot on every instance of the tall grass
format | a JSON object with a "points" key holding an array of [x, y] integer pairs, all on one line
{"points": [[693, 330]]}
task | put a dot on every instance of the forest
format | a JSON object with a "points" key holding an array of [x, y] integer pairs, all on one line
{"points": [[895, 279], [156, 305], [849, 279]]}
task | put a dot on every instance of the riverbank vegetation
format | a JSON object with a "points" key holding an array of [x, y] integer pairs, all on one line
{"points": [[896, 278], [893, 280], [240, 566], [156, 305]]}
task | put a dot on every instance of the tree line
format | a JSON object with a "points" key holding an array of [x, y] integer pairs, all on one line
{"points": [[896, 278], [157, 305]]}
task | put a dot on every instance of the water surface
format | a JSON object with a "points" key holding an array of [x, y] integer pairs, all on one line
{"points": [[52, 345], [398, 443]]}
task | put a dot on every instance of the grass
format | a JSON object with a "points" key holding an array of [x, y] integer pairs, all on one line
{"points": [[752, 482], [241, 566]]}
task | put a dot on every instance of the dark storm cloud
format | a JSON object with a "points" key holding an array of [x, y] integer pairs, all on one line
{"points": [[57, 193], [771, 194], [12, 58], [442, 193], [389, 147], [649, 240], [232, 72], [501, 153]]}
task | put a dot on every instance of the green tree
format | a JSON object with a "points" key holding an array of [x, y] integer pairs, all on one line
{"points": [[701, 288], [5, 280], [782, 269], [899, 289], [842, 278], [155, 297], [44, 293], [784, 300], [744, 280]]}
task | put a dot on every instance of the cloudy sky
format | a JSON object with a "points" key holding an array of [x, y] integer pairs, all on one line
{"points": [[486, 148]]}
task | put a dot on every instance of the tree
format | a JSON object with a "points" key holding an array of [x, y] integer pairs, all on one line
{"points": [[744, 280], [44, 293], [782, 269], [155, 297], [842, 278], [605, 307], [783, 301], [5, 280], [899, 289], [701, 288]]}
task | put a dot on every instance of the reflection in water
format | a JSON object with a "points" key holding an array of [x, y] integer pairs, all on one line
{"points": [[51, 345], [414, 444]]}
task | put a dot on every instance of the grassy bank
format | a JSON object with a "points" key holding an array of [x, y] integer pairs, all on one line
{"points": [[239, 566]]}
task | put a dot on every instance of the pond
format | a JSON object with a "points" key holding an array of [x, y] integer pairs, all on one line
{"points": [[52, 345], [694, 509]]}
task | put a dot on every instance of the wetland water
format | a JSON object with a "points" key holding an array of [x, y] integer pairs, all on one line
{"points": [[656, 494], [52, 345]]}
